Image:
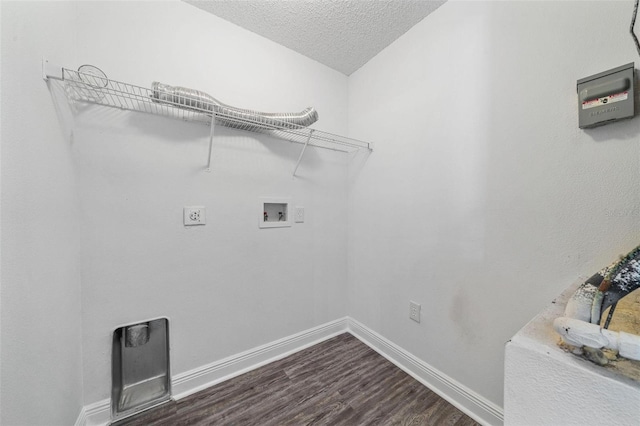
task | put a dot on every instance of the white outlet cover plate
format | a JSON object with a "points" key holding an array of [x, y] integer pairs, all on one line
{"points": [[414, 311], [299, 214], [194, 215]]}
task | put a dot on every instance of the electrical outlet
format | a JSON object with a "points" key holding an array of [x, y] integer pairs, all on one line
{"points": [[299, 214], [414, 311], [194, 215]]}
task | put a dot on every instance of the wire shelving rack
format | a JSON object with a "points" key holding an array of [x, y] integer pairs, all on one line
{"points": [[98, 89]]}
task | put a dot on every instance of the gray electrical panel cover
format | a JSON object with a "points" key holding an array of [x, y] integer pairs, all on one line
{"points": [[606, 97]]}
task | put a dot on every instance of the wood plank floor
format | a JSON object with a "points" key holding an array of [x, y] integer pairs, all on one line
{"points": [[338, 382]]}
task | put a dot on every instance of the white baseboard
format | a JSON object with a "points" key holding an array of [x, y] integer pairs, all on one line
{"points": [[98, 413], [82, 417], [192, 381], [461, 397]]}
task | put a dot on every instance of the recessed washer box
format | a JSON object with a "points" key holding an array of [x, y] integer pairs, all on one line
{"points": [[275, 212], [606, 97]]}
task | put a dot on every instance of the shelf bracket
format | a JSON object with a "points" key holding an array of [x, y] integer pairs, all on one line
{"points": [[213, 128], [302, 152], [50, 70]]}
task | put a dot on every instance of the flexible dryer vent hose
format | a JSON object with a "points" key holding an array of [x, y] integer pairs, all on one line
{"points": [[228, 115]]}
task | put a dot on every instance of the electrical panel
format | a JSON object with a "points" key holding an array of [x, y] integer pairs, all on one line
{"points": [[606, 97]]}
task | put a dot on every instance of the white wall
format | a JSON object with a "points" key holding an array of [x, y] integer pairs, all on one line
{"points": [[227, 286], [483, 199], [41, 334]]}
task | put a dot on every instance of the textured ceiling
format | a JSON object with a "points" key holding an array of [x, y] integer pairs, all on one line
{"points": [[342, 34]]}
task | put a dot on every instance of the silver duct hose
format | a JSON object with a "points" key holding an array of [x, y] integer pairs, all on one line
{"points": [[228, 115]]}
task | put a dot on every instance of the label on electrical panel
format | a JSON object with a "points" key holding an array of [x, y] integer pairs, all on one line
{"points": [[605, 100]]}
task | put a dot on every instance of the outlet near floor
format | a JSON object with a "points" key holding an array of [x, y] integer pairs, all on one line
{"points": [[414, 311]]}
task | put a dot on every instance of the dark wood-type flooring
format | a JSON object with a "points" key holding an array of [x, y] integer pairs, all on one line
{"points": [[338, 382]]}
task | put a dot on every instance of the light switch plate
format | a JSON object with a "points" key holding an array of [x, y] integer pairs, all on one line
{"points": [[195, 215], [299, 214]]}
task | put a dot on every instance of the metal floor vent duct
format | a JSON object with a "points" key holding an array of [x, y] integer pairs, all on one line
{"points": [[140, 376]]}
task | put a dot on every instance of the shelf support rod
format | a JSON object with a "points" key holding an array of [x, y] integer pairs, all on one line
{"points": [[213, 127], [302, 152]]}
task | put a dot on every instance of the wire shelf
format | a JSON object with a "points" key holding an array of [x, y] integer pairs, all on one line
{"points": [[98, 89]]}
